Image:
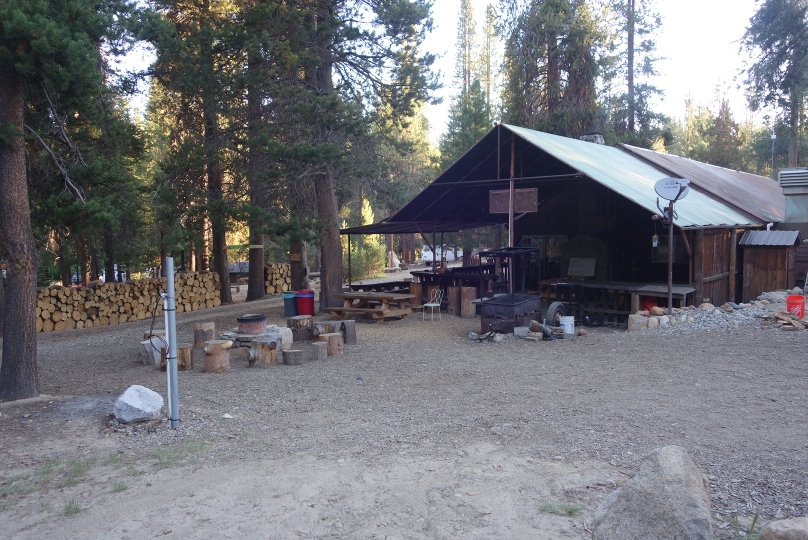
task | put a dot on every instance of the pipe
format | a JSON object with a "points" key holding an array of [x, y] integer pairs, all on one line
{"points": [[169, 310]]}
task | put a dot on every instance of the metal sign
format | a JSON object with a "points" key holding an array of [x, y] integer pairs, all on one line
{"points": [[525, 200], [672, 189]]}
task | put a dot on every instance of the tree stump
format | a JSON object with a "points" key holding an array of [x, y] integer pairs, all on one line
{"points": [[334, 341], [325, 327], [418, 290], [292, 357], [147, 334], [453, 301], [264, 352], [203, 332], [185, 360], [319, 350], [467, 295], [302, 327], [349, 332], [150, 350], [217, 355]]}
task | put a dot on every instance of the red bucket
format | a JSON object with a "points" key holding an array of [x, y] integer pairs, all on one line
{"points": [[305, 302], [796, 305]]}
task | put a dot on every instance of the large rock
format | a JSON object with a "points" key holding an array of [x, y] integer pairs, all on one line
{"points": [[653, 322], [656, 310], [706, 306], [786, 529], [667, 499], [637, 322], [286, 335], [138, 404]]}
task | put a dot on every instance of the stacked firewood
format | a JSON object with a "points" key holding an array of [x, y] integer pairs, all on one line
{"points": [[100, 304], [278, 277]]}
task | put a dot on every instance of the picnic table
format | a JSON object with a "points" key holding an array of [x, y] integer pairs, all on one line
{"points": [[379, 305]]}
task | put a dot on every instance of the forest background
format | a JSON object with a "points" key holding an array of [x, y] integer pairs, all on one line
{"points": [[271, 124]]}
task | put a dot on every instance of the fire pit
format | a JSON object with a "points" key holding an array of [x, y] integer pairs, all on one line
{"points": [[252, 323], [508, 311]]}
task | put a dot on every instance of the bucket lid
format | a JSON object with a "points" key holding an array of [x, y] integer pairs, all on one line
{"points": [[290, 294], [305, 291]]}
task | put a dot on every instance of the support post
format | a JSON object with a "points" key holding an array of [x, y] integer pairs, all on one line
{"points": [[349, 262], [169, 309], [670, 258]]}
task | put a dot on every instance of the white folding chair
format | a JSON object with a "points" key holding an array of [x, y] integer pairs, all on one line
{"points": [[434, 303]]}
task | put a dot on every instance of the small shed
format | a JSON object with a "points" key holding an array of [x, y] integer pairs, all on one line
{"points": [[769, 261]]}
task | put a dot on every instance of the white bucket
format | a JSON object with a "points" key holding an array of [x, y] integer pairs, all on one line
{"points": [[568, 323]]}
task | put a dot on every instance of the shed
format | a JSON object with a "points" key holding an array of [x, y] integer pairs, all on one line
{"points": [[769, 261]]}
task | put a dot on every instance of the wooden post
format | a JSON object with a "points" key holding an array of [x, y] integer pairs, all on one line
{"points": [[335, 344], [349, 332], [319, 350], [698, 268], [292, 357], [302, 327], [467, 295], [418, 290], [453, 301], [263, 352], [733, 262], [217, 355]]}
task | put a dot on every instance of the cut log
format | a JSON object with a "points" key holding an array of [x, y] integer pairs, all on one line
{"points": [[453, 301], [160, 333], [302, 327], [217, 355], [319, 350], [185, 361], [468, 310], [349, 332], [204, 332], [263, 352], [293, 357], [335, 343], [325, 327]]}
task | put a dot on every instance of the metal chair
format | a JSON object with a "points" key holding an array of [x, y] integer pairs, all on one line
{"points": [[435, 300]]}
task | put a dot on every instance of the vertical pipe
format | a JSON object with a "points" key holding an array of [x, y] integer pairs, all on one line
{"points": [[171, 355], [670, 258], [434, 251], [349, 263]]}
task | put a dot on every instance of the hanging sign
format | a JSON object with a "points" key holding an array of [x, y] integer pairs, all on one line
{"points": [[672, 189]]}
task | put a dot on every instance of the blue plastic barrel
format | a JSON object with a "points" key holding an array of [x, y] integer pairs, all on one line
{"points": [[289, 303]]}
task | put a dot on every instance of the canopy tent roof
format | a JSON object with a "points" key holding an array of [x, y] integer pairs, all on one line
{"points": [[458, 198]]}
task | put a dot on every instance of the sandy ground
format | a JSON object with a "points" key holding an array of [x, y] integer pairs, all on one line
{"points": [[414, 433]]}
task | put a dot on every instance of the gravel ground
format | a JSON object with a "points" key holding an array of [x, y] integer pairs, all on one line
{"points": [[390, 439]]}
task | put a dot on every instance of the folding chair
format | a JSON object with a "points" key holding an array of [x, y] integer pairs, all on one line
{"points": [[434, 303]]}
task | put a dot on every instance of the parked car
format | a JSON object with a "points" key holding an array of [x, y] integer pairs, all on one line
{"points": [[447, 251]]}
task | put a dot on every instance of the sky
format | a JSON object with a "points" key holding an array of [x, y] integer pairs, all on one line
{"points": [[698, 39]]}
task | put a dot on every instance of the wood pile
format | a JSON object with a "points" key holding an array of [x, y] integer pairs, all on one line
{"points": [[784, 321], [66, 308], [277, 277]]}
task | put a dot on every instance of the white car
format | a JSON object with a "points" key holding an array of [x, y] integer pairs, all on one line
{"points": [[447, 251]]}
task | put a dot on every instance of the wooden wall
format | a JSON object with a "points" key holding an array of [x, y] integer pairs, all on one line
{"points": [[714, 259], [767, 268]]}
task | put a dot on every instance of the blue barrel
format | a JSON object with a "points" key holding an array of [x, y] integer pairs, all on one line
{"points": [[289, 303]]}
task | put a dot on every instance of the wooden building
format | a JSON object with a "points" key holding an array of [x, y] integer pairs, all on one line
{"points": [[598, 202], [769, 261]]}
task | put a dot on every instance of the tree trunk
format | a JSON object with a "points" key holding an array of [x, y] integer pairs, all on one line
{"points": [[630, 68], [299, 264], [794, 128], [18, 371], [256, 286], [109, 258], [64, 261]]}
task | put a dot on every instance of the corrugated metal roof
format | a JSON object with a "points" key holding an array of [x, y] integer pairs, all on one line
{"points": [[757, 195], [634, 179], [770, 238]]}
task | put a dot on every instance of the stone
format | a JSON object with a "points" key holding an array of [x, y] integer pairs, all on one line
{"points": [[667, 498], [637, 322], [664, 320], [683, 319], [786, 529], [138, 404], [520, 331], [796, 291], [690, 320], [582, 332], [733, 305], [653, 322], [706, 306], [726, 307], [286, 335], [656, 310]]}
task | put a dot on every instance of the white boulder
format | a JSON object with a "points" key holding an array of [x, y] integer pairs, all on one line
{"points": [[138, 404]]}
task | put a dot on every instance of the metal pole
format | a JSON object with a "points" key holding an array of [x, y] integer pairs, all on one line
{"points": [[774, 138], [670, 258], [171, 355], [349, 263]]}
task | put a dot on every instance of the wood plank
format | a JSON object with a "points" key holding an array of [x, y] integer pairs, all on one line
{"points": [[468, 310], [453, 300]]}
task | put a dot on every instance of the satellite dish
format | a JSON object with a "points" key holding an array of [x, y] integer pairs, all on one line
{"points": [[672, 189]]}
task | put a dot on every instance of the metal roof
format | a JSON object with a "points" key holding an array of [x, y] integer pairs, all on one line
{"points": [[756, 195], [770, 238], [458, 198]]}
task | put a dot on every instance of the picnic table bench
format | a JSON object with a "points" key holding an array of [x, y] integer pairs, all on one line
{"points": [[379, 305]]}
